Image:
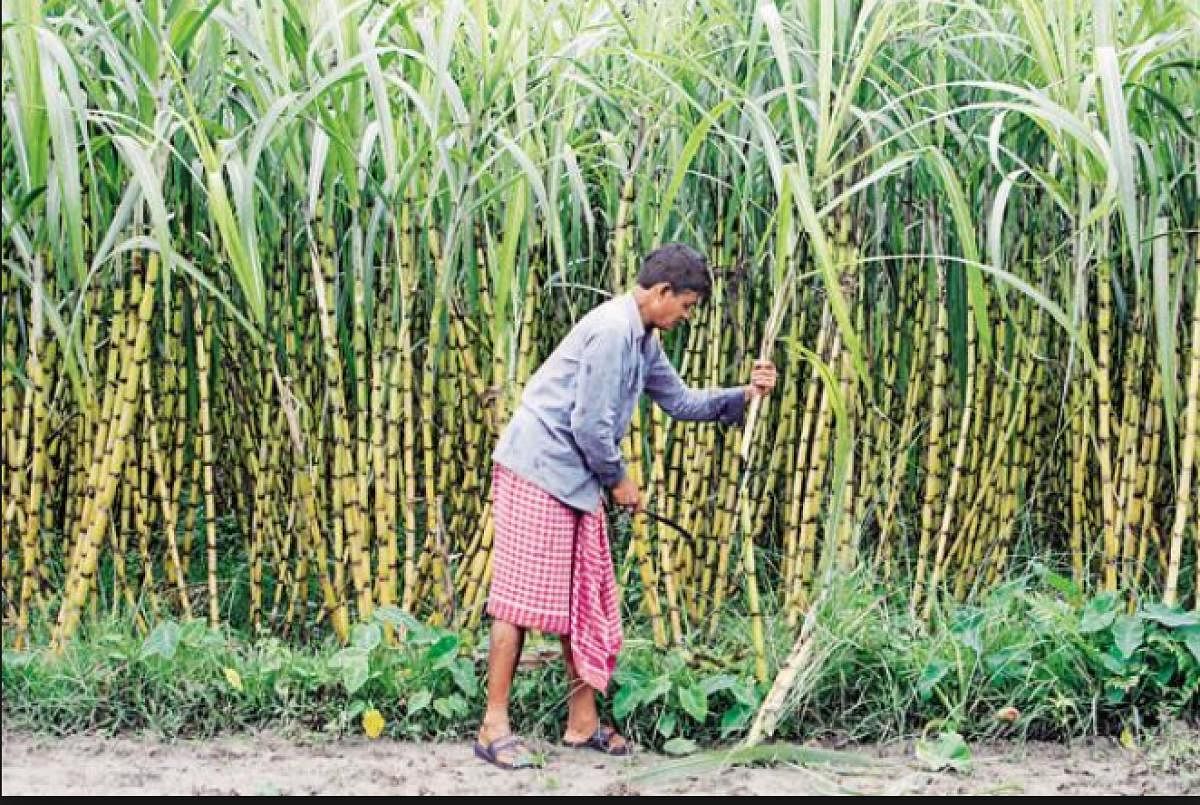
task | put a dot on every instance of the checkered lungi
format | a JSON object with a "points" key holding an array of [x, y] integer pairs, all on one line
{"points": [[552, 571]]}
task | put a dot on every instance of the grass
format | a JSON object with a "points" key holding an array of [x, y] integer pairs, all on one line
{"points": [[1027, 661]]}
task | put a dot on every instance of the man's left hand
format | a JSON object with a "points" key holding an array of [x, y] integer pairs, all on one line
{"points": [[762, 379]]}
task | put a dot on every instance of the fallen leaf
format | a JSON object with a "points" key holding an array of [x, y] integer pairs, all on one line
{"points": [[1009, 714]]}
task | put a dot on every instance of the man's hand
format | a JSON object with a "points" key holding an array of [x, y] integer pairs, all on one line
{"points": [[762, 379], [627, 494]]}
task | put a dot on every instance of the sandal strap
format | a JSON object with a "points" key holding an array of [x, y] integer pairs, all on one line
{"points": [[603, 736], [504, 742]]}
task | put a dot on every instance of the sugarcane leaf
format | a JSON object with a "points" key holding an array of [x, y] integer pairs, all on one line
{"points": [[381, 102], [1117, 119], [965, 228], [58, 69], [885, 170], [185, 27], [684, 162], [829, 270], [1164, 328]]}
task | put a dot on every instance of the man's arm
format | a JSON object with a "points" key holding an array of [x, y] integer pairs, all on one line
{"points": [[666, 388], [597, 392]]}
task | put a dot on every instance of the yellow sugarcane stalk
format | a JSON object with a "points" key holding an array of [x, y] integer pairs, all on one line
{"points": [[168, 506], [206, 459], [640, 541], [83, 569], [959, 469], [347, 502], [1128, 506], [1151, 444], [36, 392], [1187, 457], [933, 455], [1104, 445]]}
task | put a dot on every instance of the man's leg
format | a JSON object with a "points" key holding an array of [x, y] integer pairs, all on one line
{"points": [[582, 716], [504, 651]]}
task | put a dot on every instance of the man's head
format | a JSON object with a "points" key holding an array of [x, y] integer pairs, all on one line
{"points": [[673, 280]]}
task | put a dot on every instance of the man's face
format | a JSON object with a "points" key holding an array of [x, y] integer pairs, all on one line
{"points": [[672, 307]]}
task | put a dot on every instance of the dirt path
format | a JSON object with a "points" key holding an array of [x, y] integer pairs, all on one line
{"points": [[268, 764]]}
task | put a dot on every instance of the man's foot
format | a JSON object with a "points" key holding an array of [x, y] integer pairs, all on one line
{"points": [[603, 739], [506, 751]]}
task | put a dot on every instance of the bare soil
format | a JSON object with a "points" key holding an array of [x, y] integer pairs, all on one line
{"points": [[258, 764]]}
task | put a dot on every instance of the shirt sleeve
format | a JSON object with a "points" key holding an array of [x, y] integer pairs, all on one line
{"points": [[597, 394], [666, 388]]}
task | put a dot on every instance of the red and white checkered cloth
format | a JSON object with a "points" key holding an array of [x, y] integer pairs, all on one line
{"points": [[552, 571]]}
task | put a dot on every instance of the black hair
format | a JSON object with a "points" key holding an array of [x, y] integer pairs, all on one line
{"points": [[680, 266]]}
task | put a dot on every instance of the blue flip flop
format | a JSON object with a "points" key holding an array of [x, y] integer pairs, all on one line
{"points": [[491, 752], [601, 741]]}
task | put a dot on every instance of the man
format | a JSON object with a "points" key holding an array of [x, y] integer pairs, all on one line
{"points": [[551, 566]]}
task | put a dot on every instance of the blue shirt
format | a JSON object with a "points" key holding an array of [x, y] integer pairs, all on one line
{"points": [[565, 435]]}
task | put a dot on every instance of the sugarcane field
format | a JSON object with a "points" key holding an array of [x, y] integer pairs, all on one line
{"points": [[716, 397]]}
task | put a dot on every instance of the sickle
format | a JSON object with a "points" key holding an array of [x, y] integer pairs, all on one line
{"points": [[653, 515]]}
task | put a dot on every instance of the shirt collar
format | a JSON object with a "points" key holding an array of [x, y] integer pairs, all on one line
{"points": [[635, 317]]}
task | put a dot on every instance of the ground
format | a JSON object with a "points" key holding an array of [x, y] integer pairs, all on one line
{"points": [[270, 764]]}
